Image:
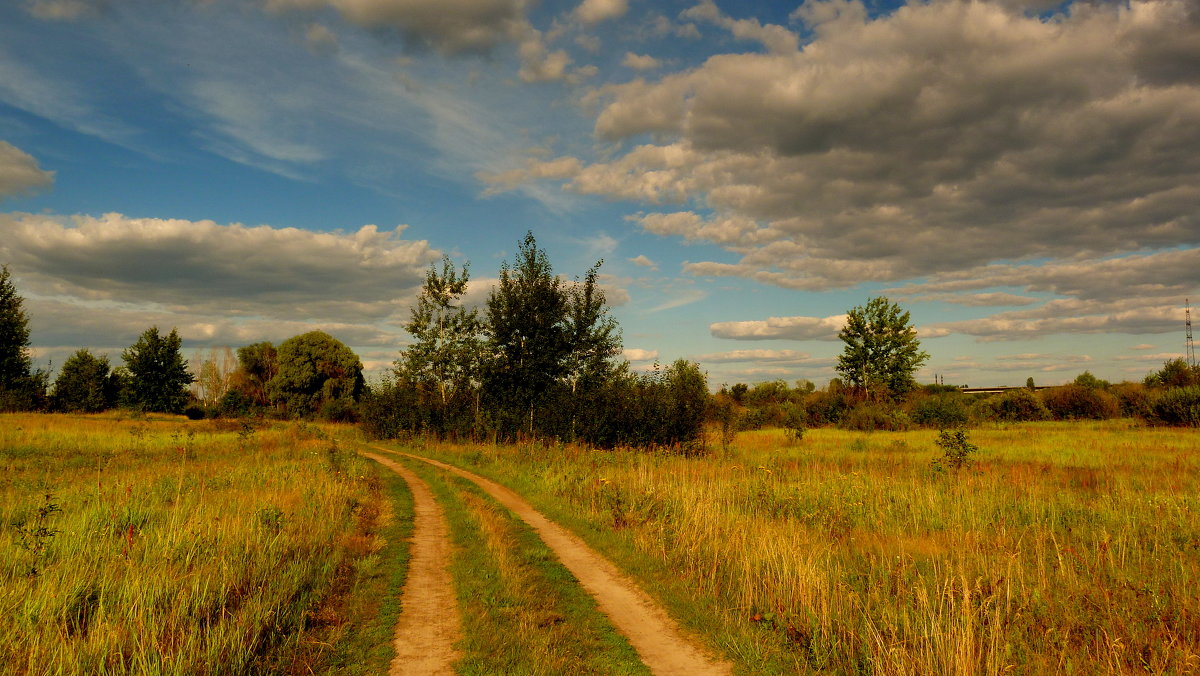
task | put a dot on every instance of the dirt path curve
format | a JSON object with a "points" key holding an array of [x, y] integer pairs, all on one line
{"points": [[657, 639], [429, 623]]}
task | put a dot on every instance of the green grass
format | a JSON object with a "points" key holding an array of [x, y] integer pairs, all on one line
{"points": [[159, 545], [523, 612], [1067, 548]]}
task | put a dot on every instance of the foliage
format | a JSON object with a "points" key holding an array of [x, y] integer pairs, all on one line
{"points": [[215, 375], [83, 384], [956, 448], [1177, 406], [1134, 399], [794, 419], [870, 416], [940, 410], [1077, 402], [443, 362], [159, 372], [528, 337], [828, 406], [881, 350], [1091, 382], [1174, 373], [315, 370], [258, 365], [1014, 406], [21, 388]]}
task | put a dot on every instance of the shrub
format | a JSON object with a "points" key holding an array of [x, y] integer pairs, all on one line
{"points": [[1133, 398], [194, 412], [1073, 402], [826, 407], [956, 449], [867, 417], [1179, 406], [940, 410], [1014, 406], [793, 422]]}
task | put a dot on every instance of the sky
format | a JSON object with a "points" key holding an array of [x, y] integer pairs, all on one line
{"points": [[1022, 176]]}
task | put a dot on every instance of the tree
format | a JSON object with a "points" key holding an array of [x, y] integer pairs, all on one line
{"points": [[214, 375], [159, 372], [84, 384], [257, 365], [882, 351], [593, 335], [445, 357], [528, 334], [20, 386], [317, 374]]}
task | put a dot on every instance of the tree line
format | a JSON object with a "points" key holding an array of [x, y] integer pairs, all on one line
{"points": [[540, 360]]}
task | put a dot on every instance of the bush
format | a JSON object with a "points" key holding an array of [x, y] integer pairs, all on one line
{"points": [[956, 449], [1076, 402], [1133, 398], [1178, 406], [867, 417], [194, 412], [940, 410], [826, 407], [1014, 406]]}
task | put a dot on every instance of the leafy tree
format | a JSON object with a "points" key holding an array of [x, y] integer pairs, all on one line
{"points": [[593, 335], [317, 374], [882, 351], [20, 386], [214, 375], [84, 384], [159, 372], [528, 334], [1174, 373], [445, 358], [257, 366]]}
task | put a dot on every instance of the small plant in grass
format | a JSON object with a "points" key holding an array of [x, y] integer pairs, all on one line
{"points": [[793, 422], [956, 449], [34, 535]]}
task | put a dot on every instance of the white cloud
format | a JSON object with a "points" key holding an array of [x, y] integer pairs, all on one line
{"points": [[781, 328], [60, 10], [643, 261], [774, 356], [201, 267], [595, 11], [638, 354], [538, 63], [20, 173], [640, 61], [941, 137], [776, 39]]}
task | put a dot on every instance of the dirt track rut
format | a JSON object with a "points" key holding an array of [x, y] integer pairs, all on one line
{"points": [[653, 634], [429, 623]]}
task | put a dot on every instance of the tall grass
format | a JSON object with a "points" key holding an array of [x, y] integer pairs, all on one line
{"points": [[175, 547], [1067, 548]]}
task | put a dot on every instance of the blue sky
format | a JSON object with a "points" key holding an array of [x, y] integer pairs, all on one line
{"points": [[1023, 176]]}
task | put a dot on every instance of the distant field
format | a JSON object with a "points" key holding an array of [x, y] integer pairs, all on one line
{"points": [[166, 546], [1067, 548]]}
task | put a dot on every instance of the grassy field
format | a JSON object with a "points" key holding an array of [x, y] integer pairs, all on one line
{"points": [[159, 545], [1065, 548]]}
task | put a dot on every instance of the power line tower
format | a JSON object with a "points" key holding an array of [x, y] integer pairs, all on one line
{"points": [[1187, 323]]}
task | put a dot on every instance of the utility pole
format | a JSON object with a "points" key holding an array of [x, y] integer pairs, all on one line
{"points": [[1190, 354]]}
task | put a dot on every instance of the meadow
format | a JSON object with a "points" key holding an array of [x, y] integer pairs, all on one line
{"points": [[161, 545], [1063, 548]]}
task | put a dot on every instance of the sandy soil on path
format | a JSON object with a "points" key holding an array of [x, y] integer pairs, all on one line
{"points": [[657, 639], [429, 622]]}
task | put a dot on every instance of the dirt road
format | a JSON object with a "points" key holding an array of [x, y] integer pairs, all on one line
{"points": [[429, 623], [656, 637]]}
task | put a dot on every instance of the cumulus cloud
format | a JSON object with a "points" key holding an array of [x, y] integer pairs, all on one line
{"points": [[776, 39], [775, 328], [638, 354], [20, 173], [201, 267], [538, 63], [595, 11], [640, 61], [643, 261], [944, 136], [447, 26]]}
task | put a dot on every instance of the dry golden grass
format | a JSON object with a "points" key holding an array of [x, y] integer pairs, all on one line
{"points": [[1067, 548], [159, 545]]}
